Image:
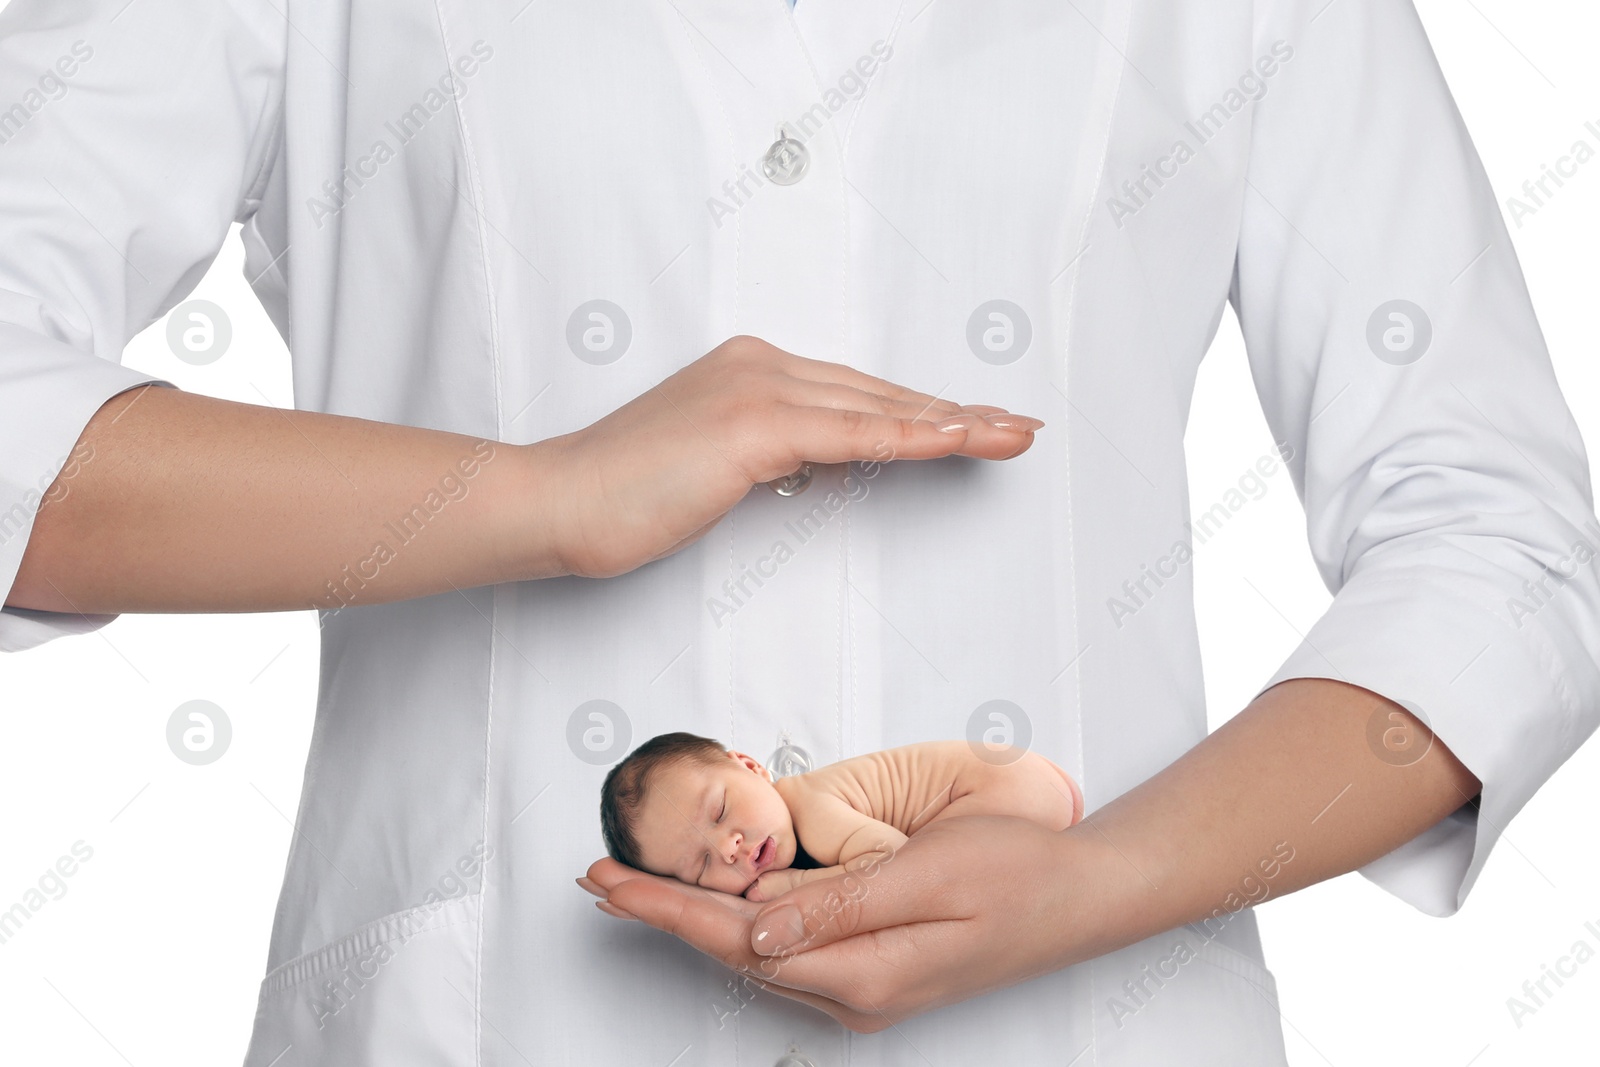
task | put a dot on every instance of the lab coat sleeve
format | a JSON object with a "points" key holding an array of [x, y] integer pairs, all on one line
{"points": [[1447, 499], [131, 136]]}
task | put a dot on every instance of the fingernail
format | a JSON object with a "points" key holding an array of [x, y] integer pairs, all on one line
{"points": [[957, 424], [611, 909], [779, 929], [1008, 421], [588, 885], [983, 409]]}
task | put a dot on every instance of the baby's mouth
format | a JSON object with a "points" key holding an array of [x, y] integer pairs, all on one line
{"points": [[764, 855]]}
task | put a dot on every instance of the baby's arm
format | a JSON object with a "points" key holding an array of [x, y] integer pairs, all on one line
{"points": [[847, 836], [834, 833]]}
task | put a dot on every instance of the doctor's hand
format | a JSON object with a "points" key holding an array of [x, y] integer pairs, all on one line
{"points": [[201, 483], [968, 905], [657, 473], [1283, 795]]}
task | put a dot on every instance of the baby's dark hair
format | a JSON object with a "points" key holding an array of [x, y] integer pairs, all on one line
{"points": [[622, 794]]}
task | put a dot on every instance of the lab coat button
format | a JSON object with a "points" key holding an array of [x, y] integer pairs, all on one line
{"points": [[786, 160], [794, 1059], [789, 759], [792, 484]]}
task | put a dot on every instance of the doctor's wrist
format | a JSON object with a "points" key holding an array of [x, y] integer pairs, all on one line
{"points": [[1108, 902], [527, 538]]}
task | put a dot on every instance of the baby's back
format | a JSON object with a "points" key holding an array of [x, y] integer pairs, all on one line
{"points": [[907, 787]]}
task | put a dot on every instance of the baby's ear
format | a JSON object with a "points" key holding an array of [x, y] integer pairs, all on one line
{"points": [[750, 762]]}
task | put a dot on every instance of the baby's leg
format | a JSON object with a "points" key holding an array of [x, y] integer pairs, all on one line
{"points": [[1031, 788]]}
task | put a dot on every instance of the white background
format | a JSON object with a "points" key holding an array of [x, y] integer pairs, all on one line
{"points": [[153, 953]]}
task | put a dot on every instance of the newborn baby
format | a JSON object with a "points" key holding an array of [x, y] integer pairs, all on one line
{"points": [[685, 807]]}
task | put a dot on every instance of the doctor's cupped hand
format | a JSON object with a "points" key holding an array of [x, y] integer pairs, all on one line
{"points": [[657, 473], [968, 905]]}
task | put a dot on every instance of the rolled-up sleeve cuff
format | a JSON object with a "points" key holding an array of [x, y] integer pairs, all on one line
{"points": [[1501, 689], [48, 393]]}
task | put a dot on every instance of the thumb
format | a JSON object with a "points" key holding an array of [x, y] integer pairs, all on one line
{"points": [[832, 909]]}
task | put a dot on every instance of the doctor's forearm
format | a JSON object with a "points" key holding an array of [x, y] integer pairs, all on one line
{"points": [[183, 502], [1286, 794]]}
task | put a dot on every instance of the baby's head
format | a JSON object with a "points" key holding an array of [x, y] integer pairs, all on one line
{"points": [[683, 806]]}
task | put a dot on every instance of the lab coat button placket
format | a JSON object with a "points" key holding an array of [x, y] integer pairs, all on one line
{"points": [[792, 484], [786, 160]]}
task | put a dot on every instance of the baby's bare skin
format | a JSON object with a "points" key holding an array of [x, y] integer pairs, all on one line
{"points": [[731, 828], [850, 813]]}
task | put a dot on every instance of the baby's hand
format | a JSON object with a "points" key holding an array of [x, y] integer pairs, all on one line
{"points": [[776, 883], [771, 884]]}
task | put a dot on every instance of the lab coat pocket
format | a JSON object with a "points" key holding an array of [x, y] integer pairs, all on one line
{"points": [[1219, 954], [1249, 993], [397, 991], [1187, 996]]}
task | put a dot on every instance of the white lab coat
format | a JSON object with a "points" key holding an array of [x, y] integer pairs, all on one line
{"points": [[1024, 151]]}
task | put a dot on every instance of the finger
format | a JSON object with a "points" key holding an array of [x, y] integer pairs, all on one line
{"points": [[716, 927], [818, 370], [610, 875], [607, 872], [1026, 444], [721, 929], [828, 435], [912, 405], [838, 971], [895, 891], [803, 392], [844, 984], [1005, 420], [841, 1013], [611, 909]]}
